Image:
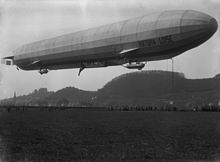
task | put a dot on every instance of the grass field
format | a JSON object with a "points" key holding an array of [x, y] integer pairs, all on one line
{"points": [[79, 135]]}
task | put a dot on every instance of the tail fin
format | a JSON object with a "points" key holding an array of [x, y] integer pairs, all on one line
{"points": [[8, 60]]}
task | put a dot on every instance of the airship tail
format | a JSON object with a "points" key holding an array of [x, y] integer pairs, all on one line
{"points": [[8, 60]]}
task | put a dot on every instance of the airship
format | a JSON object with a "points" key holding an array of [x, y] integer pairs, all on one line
{"points": [[130, 43]]}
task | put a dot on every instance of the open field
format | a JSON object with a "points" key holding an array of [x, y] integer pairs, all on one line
{"points": [[80, 135]]}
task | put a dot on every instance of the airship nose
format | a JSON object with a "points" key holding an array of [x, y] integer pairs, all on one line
{"points": [[197, 27], [212, 26]]}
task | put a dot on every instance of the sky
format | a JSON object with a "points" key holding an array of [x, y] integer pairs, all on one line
{"points": [[25, 21]]}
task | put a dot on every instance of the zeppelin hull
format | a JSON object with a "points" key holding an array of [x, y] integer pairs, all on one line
{"points": [[152, 37]]}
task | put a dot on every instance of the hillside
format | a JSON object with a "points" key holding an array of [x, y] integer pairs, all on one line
{"points": [[156, 88], [69, 96], [159, 87]]}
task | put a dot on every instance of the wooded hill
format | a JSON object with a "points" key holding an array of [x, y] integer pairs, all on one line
{"points": [[138, 88]]}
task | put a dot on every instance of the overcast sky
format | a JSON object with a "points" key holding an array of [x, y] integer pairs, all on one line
{"points": [[25, 21]]}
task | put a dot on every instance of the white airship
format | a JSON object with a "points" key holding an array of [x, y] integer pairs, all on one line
{"points": [[157, 36]]}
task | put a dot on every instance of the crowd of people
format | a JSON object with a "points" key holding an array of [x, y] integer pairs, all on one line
{"points": [[143, 108]]}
